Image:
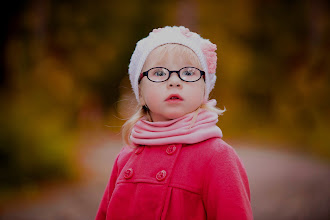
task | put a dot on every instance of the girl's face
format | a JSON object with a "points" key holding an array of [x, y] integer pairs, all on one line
{"points": [[156, 95]]}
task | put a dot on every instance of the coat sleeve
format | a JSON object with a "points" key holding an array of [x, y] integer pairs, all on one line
{"points": [[102, 211], [226, 192]]}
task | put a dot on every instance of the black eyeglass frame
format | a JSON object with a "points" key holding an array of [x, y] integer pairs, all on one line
{"points": [[145, 73]]}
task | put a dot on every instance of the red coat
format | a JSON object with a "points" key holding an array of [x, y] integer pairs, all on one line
{"points": [[206, 180]]}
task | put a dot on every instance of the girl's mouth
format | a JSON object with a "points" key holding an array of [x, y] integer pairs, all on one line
{"points": [[173, 98]]}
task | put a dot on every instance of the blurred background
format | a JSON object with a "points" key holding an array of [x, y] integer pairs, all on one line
{"points": [[65, 92]]}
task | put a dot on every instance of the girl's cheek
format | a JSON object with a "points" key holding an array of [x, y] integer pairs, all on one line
{"points": [[152, 95], [146, 92], [152, 99]]}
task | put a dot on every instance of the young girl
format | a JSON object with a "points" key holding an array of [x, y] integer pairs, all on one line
{"points": [[175, 164]]}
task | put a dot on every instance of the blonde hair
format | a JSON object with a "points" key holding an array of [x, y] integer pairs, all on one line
{"points": [[167, 49], [183, 51]]}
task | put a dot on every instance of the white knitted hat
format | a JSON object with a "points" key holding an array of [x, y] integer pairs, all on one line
{"points": [[203, 48]]}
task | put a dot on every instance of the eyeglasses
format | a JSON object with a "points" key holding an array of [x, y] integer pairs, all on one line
{"points": [[161, 74]]}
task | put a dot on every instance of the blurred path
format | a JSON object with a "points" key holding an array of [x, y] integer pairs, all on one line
{"points": [[286, 186], [283, 186]]}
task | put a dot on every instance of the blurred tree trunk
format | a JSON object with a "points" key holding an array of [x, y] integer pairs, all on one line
{"points": [[41, 8], [187, 14], [8, 24]]}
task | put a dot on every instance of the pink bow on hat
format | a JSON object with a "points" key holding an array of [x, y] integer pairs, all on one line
{"points": [[211, 56]]}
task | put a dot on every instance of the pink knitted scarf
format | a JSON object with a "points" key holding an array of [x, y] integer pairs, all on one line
{"points": [[183, 130]]}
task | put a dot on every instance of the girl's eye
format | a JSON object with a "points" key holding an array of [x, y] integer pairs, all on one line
{"points": [[188, 73], [159, 73]]}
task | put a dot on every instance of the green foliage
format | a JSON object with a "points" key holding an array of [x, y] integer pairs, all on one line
{"points": [[34, 145], [274, 76]]}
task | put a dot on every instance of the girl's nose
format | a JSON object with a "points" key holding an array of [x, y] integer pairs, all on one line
{"points": [[174, 80]]}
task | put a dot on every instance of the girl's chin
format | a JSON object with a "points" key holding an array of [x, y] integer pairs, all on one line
{"points": [[174, 115], [167, 117]]}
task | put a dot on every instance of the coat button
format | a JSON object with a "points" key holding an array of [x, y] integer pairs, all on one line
{"points": [[161, 175], [170, 149], [128, 173], [139, 150]]}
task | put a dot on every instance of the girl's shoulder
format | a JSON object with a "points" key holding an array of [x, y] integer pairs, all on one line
{"points": [[124, 154], [209, 151], [216, 146]]}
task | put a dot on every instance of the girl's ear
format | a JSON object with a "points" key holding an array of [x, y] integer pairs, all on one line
{"points": [[141, 99], [142, 102], [204, 91]]}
